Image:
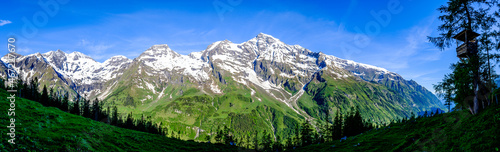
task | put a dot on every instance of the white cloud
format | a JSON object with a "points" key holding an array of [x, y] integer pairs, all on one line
{"points": [[24, 50], [4, 22], [93, 46], [97, 51], [405, 51]]}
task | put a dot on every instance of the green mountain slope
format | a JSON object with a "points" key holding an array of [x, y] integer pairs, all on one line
{"points": [[455, 131], [375, 102], [40, 128]]}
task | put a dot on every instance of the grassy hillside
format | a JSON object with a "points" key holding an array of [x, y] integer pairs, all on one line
{"points": [[455, 131], [40, 128], [183, 113]]}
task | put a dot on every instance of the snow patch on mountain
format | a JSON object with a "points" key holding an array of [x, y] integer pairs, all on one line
{"points": [[161, 58], [150, 87]]}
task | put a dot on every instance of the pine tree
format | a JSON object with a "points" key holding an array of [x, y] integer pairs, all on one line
{"points": [[278, 145], [266, 141], [306, 133], [45, 96], [65, 103], [469, 81], [327, 128], [86, 109], [96, 110], [256, 140], [114, 119], [219, 137], [108, 114], [228, 138], [76, 106], [53, 98], [21, 86], [26, 95], [129, 123], [35, 95], [337, 127], [2, 83], [297, 139]]}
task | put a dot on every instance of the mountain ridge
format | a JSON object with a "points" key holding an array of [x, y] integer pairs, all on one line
{"points": [[263, 78]]}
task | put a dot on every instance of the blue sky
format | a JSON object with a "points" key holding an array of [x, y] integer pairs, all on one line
{"points": [[346, 29]]}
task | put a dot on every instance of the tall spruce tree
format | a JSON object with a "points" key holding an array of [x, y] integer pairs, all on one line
{"points": [[53, 99], [76, 105], [114, 119], [45, 96], [337, 127], [65, 102], [86, 109], [96, 110]]}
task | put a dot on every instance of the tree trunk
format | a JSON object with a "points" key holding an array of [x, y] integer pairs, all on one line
{"points": [[475, 63]]}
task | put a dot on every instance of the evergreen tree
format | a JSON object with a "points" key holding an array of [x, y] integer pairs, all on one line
{"points": [[108, 114], [2, 83], [469, 81], [114, 119], [337, 127], [219, 137], [256, 140], [129, 121], [245, 141], [316, 137], [45, 96], [53, 99], [278, 145], [21, 86], [86, 109], [34, 94], [76, 105], [228, 138], [306, 133], [327, 128], [297, 139], [96, 110], [65, 103], [266, 141], [357, 123], [27, 89]]}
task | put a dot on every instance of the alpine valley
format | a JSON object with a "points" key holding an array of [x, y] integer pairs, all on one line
{"points": [[260, 84]]}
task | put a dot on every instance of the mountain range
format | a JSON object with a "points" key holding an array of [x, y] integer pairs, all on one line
{"points": [[260, 84]]}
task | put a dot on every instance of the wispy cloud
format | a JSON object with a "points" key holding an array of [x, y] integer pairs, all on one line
{"points": [[421, 74], [24, 50], [4, 22], [411, 48], [98, 51]]}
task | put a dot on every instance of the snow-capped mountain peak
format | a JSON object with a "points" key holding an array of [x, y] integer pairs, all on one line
{"points": [[117, 58], [78, 55], [267, 38], [159, 50]]}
